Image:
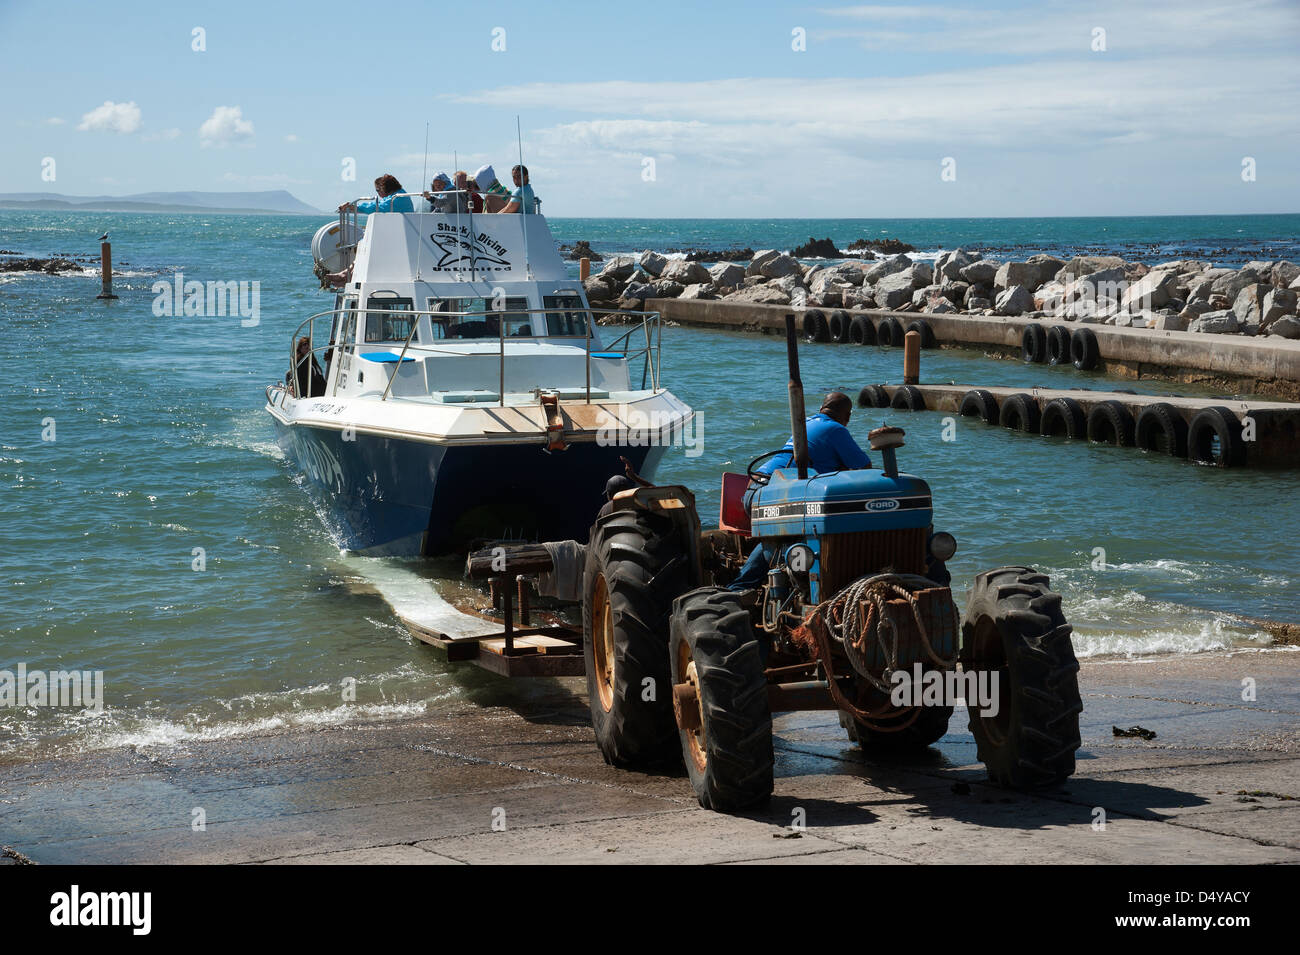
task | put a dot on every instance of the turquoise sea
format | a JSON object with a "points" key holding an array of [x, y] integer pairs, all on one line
{"points": [[162, 446]]}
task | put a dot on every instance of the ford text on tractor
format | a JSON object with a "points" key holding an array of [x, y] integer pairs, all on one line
{"points": [[856, 612]]}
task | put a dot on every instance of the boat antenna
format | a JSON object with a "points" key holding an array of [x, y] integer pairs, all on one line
{"points": [[523, 222], [455, 165], [424, 177]]}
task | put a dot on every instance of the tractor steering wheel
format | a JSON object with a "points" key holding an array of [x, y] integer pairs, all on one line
{"points": [[758, 477]]}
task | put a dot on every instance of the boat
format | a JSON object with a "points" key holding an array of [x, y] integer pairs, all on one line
{"points": [[465, 389]]}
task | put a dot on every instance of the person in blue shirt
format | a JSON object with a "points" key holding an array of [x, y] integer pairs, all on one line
{"points": [[830, 448], [522, 199], [389, 200]]}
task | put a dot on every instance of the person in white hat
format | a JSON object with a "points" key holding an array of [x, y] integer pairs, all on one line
{"points": [[495, 194]]}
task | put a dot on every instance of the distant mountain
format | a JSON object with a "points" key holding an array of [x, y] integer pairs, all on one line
{"points": [[275, 200]]}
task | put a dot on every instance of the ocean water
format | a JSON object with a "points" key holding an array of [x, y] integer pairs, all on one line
{"points": [[162, 446]]}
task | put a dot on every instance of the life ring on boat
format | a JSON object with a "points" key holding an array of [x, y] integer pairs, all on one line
{"points": [[331, 246]]}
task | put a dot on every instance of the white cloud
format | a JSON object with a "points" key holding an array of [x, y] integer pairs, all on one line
{"points": [[54, 121], [112, 117], [291, 138], [226, 126]]}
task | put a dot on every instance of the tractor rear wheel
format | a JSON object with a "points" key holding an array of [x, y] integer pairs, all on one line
{"points": [[1015, 629], [928, 728], [728, 749], [635, 567]]}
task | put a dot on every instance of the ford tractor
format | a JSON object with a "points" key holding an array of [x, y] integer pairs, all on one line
{"points": [[855, 615]]}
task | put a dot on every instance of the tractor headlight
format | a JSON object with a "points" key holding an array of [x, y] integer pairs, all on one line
{"points": [[942, 546], [799, 558]]}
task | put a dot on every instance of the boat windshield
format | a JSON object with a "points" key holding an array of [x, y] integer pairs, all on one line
{"points": [[571, 319], [385, 321], [471, 326]]}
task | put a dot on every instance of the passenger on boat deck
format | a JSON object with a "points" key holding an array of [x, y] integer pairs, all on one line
{"points": [[387, 188], [308, 379], [522, 199], [466, 196], [436, 198], [495, 195]]}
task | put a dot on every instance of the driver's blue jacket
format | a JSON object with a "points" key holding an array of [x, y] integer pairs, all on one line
{"points": [[830, 448]]}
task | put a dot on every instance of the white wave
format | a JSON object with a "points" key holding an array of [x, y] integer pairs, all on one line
{"points": [[159, 731], [1163, 634]]}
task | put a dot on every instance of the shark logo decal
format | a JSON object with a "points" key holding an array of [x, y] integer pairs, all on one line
{"points": [[457, 250]]}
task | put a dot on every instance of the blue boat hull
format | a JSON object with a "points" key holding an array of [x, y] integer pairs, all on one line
{"points": [[394, 497]]}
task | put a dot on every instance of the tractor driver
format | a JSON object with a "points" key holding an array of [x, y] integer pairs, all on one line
{"points": [[830, 448]]}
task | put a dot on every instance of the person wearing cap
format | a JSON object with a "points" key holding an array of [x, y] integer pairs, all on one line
{"points": [[437, 197], [830, 448], [495, 195], [615, 485], [522, 199]]}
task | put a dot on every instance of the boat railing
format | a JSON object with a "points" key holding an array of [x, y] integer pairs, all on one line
{"points": [[641, 342], [350, 218]]}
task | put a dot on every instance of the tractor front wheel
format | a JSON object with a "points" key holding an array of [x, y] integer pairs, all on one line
{"points": [[635, 567], [720, 695], [1017, 642]]}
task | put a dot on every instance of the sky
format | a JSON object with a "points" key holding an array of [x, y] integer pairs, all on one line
{"points": [[670, 109]]}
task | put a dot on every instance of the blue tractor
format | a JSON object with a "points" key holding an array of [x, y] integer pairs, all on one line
{"points": [[856, 615]]}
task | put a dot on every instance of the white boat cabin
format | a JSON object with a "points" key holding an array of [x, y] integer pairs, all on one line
{"points": [[469, 310]]}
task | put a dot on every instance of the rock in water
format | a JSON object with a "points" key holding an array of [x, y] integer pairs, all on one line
{"points": [[581, 250], [817, 249], [887, 246]]}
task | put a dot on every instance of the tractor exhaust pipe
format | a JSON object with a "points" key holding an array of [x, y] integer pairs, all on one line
{"points": [[798, 424]]}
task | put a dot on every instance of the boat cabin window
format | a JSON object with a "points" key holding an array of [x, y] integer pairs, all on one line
{"points": [[345, 322], [489, 326], [390, 320], [572, 320]]}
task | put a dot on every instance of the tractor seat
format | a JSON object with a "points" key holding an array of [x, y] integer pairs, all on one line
{"points": [[732, 515]]}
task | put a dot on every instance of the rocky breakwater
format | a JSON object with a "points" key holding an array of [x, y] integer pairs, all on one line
{"points": [[1260, 298]]}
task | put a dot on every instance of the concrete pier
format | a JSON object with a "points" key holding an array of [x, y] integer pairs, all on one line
{"points": [[1276, 424], [1265, 366], [524, 783]]}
